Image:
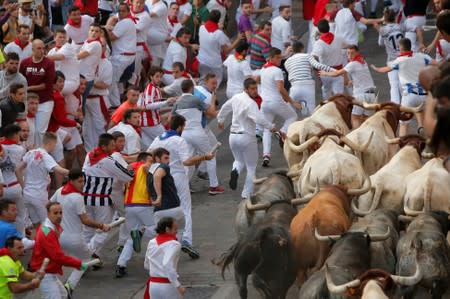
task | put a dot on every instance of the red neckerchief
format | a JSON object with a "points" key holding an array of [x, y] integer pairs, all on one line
{"points": [[439, 48], [406, 53], [164, 237], [211, 26], [258, 101], [221, 3], [17, 42], [268, 64], [239, 56], [327, 37], [131, 17], [181, 2], [265, 36], [31, 115], [58, 47], [359, 59], [93, 40], [172, 20], [137, 129], [8, 141], [5, 251], [96, 155], [73, 24], [69, 188]]}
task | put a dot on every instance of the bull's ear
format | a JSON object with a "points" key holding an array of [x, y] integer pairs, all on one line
{"points": [[406, 116]]}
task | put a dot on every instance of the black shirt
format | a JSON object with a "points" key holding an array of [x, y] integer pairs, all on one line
{"points": [[170, 197]]}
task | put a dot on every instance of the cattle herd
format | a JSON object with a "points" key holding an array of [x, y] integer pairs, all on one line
{"points": [[359, 214]]}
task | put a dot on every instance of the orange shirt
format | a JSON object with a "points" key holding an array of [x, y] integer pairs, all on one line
{"points": [[118, 114]]}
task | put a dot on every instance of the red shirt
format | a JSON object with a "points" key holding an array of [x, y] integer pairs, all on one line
{"points": [[38, 73], [308, 9], [47, 245], [59, 114], [118, 114], [91, 7]]}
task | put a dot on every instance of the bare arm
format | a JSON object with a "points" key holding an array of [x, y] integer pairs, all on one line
{"points": [[82, 54], [19, 172], [383, 69], [91, 223], [38, 87], [419, 34], [56, 57], [157, 184], [60, 170], [333, 73], [17, 287], [197, 159]]}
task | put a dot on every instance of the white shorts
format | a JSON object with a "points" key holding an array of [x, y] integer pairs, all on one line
{"points": [[75, 138], [366, 97], [58, 153], [412, 100]]}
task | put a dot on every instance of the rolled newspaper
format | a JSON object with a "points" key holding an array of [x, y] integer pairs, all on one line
{"points": [[93, 262], [115, 223], [44, 265], [216, 147]]}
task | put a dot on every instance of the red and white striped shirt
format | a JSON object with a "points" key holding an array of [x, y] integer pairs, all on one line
{"points": [[151, 100]]}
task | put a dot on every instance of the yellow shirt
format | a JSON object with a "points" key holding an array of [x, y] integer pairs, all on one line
{"points": [[136, 193], [10, 271]]}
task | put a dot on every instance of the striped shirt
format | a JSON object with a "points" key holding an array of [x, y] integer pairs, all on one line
{"points": [[151, 100], [299, 67], [259, 50]]}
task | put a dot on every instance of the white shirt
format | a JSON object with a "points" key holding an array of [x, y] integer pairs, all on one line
{"points": [[125, 31], [73, 207], [175, 53], [39, 164], [132, 138], [329, 54], [361, 78], [408, 71], [245, 114], [346, 26], [443, 50], [142, 26], [13, 47], [390, 36], [103, 74], [70, 66], [173, 29], [174, 89], [162, 260], [237, 71], [117, 189], [32, 124], [88, 65], [269, 90], [281, 32], [12, 155], [79, 35], [299, 67], [211, 46]]}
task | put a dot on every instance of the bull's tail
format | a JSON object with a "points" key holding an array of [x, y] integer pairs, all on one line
{"points": [[225, 259]]}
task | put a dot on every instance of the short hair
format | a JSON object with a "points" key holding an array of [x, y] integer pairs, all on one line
{"points": [[32, 95], [214, 16], [243, 2], [440, 88], [123, 3], [297, 46], [282, 7], [163, 224], [323, 26], [353, 47], [249, 82], [104, 139], [347, 3], [12, 56], [128, 113], [73, 8], [242, 46], [49, 137], [59, 74], [178, 65], [60, 30], [50, 204], [9, 243], [142, 156], [22, 26], [187, 85], [443, 21], [405, 43], [264, 24], [133, 87], [389, 15], [159, 152], [4, 204], [96, 25], [173, 3], [117, 135], [75, 174], [274, 51], [177, 121], [155, 69], [182, 31], [14, 87], [209, 76], [10, 130]]}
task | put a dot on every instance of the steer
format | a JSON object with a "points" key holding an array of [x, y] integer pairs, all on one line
{"points": [[328, 211], [389, 183], [428, 189], [383, 124], [425, 238]]}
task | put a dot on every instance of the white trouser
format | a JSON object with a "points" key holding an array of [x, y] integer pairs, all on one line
{"points": [[117, 199], [175, 213], [411, 24], [149, 134], [199, 140], [140, 56], [365, 97], [42, 119], [73, 244], [245, 152], [313, 36], [394, 82], [136, 217], [306, 91], [35, 204], [163, 291], [119, 64], [94, 123], [52, 288], [270, 110], [75, 138], [204, 70], [14, 193], [96, 239], [331, 86], [58, 152], [212, 141], [70, 86], [182, 185]]}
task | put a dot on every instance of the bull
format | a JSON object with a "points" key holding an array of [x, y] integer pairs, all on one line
{"points": [[383, 124], [389, 183], [425, 238]]}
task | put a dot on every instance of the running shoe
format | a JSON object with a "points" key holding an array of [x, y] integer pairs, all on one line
{"points": [[136, 235], [69, 290], [266, 161], [234, 175], [97, 266], [121, 271], [187, 248], [202, 175], [216, 190]]}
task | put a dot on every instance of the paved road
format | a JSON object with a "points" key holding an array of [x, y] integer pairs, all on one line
{"points": [[212, 224]]}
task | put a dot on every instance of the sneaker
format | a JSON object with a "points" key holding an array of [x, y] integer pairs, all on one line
{"points": [[96, 266], [259, 138], [233, 179], [69, 290], [421, 131], [121, 271], [119, 248], [216, 190], [136, 235], [202, 175], [266, 161], [187, 248]]}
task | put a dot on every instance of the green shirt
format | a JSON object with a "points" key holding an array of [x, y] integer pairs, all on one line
{"points": [[201, 14], [10, 271]]}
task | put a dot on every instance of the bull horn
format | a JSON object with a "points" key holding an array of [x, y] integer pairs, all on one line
{"points": [[258, 206], [357, 147], [305, 199], [371, 106], [392, 140], [358, 103], [409, 211], [259, 181], [302, 147], [410, 109], [378, 237], [366, 187], [340, 289], [319, 237], [427, 155], [404, 218], [375, 202], [409, 280]]}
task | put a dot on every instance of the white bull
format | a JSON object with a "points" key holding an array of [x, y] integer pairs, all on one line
{"points": [[428, 189]]}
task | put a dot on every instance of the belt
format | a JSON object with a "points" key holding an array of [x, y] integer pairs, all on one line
{"points": [[168, 72], [237, 132], [11, 184], [128, 53], [159, 279], [338, 67], [96, 195], [419, 94], [79, 44], [415, 15], [371, 90]]}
